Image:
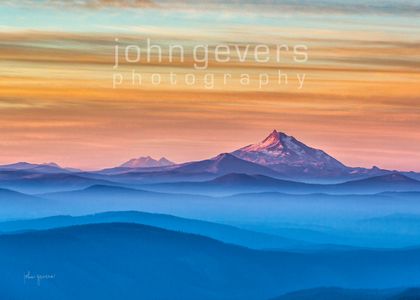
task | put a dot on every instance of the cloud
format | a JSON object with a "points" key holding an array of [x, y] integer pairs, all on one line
{"points": [[388, 7], [271, 7], [117, 3], [91, 4]]}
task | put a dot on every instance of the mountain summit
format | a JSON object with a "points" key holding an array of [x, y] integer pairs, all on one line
{"points": [[146, 162], [285, 154]]}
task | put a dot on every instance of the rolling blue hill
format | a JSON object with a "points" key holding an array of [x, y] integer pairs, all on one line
{"points": [[34, 182], [130, 261], [17, 205], [242, 183], [347, 294], [225, 233]]}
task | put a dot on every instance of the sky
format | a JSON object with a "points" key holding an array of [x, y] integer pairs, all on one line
{"points": [[63, 100]]}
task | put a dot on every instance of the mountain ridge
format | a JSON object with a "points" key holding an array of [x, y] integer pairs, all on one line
{"points": [[278, 155], [221, 232], [287, 155], [147, 162], [237, 182]]}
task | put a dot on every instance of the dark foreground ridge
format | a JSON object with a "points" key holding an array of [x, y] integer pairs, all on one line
{"points": [[129, 261]]}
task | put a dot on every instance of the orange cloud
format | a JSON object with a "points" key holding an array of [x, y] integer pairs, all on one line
{"points": [[57, 102]]}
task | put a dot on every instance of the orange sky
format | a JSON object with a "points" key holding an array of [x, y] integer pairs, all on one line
{"points": [[360, 101]]}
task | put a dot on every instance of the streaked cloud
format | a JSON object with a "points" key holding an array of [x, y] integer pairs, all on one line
{"points": [[390, 7], [91, 4]]}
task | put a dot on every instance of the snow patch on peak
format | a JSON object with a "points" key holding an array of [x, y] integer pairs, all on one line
{"points": [[147, 162], [274, 141], [282, 152]]}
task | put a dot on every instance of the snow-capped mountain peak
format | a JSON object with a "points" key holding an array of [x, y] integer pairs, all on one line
{"points": [[286, 154], [274, 140], [147, 162]]}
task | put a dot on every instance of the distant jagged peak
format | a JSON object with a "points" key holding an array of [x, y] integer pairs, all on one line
{"points": [[147, 162]]}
